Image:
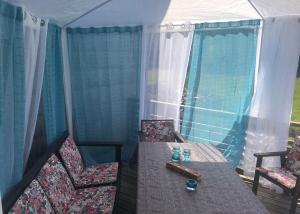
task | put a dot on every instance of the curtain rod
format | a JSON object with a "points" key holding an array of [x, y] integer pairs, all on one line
{"points": [[186, 26], [190, 28], [86, 13], [229, 27]]}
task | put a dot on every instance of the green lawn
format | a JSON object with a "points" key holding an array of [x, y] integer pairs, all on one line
{"points": [[296, 102], [295, 131]]}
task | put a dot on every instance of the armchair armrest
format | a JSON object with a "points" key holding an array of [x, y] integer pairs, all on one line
{"points": [[296, 175], [117, 145], [280, 154], [271, 154], [179, 137]]}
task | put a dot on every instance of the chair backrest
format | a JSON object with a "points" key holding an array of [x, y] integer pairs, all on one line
{"points": [[72, 158], [293, 157], [56, 184], [157, 131]]}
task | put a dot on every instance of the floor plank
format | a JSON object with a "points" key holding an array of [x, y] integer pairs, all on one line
{"points": [[275, 203]]}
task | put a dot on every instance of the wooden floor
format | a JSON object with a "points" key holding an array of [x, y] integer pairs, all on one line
{"points": [[128, 193], [275, 203]]}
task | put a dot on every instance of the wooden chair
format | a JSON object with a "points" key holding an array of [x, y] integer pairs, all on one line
{"points": [[287, 176], [159, 131], [156, 131]]}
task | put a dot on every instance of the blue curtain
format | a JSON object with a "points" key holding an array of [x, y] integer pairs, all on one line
{"points": [[219, 85], [12, 96], [53, 86], [105, 68]]}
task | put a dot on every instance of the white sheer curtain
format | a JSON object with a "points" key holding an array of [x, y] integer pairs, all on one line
{"points": [[272, 102], [67, 81], [165, 58], [35, 38]]}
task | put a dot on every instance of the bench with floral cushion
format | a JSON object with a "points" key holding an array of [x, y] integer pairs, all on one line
{"points": [[287, 176], [48, 188]]}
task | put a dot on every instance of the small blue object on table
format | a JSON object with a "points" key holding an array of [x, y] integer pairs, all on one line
{"points": [[191, 184], [176, 154], [186, 155]]}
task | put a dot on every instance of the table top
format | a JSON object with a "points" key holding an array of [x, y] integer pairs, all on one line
{"points": [[161, 190]]}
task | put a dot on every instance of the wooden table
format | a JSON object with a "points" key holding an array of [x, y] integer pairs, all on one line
{"points": [[161, 190]]}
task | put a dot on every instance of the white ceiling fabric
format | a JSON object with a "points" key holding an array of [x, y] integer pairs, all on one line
{"points": [[139, 12], [61, 11], [273, 8]]}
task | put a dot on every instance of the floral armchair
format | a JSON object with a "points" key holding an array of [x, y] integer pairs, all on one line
{"points": [[159, 131], [287, 176]]}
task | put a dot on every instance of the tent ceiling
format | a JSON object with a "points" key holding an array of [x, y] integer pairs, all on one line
{"points": [[137, 12], [61, 11], [273, 8]]}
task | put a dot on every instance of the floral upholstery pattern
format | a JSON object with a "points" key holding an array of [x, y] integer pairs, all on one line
{"points": [[32, 200], [282, 175], [72, 158], [63, 197], [56, 183], [93, 200], [53, 191], [157, 131], [86, 176], [104, 173], [293, 158]]}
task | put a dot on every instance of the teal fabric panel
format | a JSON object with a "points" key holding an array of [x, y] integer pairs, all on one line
{"points": [[12, 96], [219, 85], [105, 69], [53, 86]]}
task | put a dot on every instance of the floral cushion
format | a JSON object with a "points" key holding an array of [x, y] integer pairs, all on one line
{"points": [[158, 131], [56, 183], [97, 174], [71, 157], [93, 200], [282, 175], [32, 200], [293, 158]]}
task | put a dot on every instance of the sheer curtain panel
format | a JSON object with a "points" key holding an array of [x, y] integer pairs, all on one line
{"points": [[35, 34], [53, 86], [270, 113], [67, 81], [219, 85], [12, 96], [105, 69], [165, 58]]}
